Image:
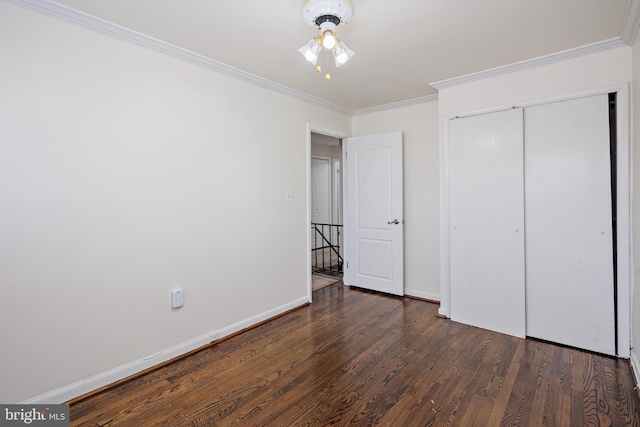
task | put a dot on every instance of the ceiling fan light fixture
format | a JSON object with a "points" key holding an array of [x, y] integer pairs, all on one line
{"points": [[311, 51], [327, 16], [342, 54]]}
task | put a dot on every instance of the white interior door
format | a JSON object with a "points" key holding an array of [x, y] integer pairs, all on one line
{"points": [[320, 190], [486, 205], [374, 212], [320, 197], [569, 242]]}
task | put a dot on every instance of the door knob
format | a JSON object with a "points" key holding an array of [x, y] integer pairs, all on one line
{"points": [[395, 221]]}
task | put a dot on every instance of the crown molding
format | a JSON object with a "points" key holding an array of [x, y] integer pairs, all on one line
{"points": [[532, 63], [631, 22], [99, 25], [399, 104]]}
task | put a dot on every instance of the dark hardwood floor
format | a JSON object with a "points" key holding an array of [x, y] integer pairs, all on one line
{"points": [[359, 358]]}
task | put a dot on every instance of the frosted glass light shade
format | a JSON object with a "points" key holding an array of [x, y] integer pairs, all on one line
{"points": [[342, 54], [311, 51]]}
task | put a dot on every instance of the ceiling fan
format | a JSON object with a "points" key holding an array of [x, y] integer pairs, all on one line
{"points": [[327, 16]]}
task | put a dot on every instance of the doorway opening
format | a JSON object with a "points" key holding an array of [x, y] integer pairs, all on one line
{"points": [[327, 260]]}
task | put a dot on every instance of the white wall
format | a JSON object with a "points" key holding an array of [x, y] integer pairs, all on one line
{"points": [[419, 125], [597, 70], [328, 151], [125, 173], [319, 150]]}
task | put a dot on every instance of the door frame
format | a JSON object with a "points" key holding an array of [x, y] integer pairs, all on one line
{"points": [[623, 247], [312, 128], [336, 195]]}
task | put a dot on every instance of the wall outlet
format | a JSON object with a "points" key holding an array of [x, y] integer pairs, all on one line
{"points": [[177, 298]]}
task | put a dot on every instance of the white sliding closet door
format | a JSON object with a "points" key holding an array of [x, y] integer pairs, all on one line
{"points": [[569, 258], [486, 206]]}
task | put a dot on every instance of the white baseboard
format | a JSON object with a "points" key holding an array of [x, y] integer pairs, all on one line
{"points": [[419, 294], [247, 323], [635, 365], [95, 382]]}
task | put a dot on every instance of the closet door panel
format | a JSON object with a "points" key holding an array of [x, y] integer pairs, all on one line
{"points": [[569, 258], [486, 205]]}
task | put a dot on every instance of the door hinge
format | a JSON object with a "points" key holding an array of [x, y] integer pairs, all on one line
{"points": [[347, 264]]}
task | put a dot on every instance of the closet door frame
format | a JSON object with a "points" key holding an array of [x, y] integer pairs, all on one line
{"points": [[623, 247]]}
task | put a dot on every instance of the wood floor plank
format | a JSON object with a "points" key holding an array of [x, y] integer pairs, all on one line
{"points": [[491, 382], [499, 414], [355, 357], [558, 397], [577, 392]]}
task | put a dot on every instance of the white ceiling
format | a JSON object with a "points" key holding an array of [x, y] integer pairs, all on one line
{"points": [[400, 46]]}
